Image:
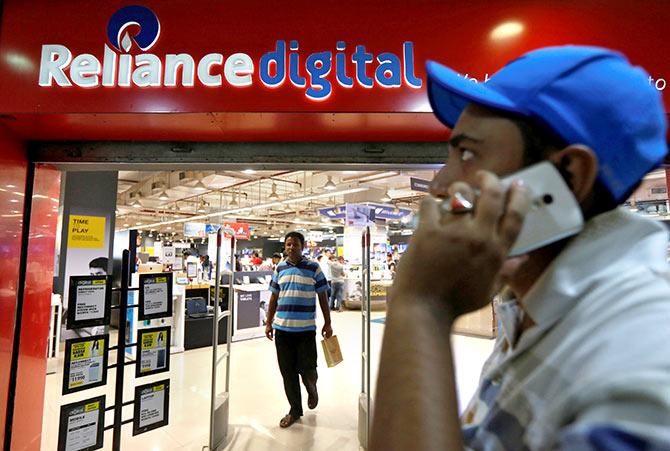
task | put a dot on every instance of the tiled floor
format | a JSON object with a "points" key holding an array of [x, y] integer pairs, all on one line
{"points": [[257, 396]]}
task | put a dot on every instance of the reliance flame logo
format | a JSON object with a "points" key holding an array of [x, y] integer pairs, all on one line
{"points": [[145, 70], [150, 28]]}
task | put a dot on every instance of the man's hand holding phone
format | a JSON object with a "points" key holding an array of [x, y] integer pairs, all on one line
{"points": [[454, 260]]}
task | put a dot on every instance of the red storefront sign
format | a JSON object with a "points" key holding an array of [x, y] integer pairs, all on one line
{"points": [[238, 60]]}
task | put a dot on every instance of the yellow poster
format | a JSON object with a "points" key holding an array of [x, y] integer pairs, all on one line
{"points": [[86, 232], [87, 349]]}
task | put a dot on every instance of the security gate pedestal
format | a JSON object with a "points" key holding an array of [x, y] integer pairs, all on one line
{"points": [[219, 406], [364, 398]]}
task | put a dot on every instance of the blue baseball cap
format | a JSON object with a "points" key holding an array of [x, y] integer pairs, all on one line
{"points": [[585, 95]]}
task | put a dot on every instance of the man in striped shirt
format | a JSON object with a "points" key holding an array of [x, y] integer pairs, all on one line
{"points": [[291, 322]]}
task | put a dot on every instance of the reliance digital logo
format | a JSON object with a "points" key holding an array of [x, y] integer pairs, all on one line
{"points": [[120, 68]]}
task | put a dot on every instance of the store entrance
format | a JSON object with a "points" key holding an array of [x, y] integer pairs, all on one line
{"points": [[168, 216]]}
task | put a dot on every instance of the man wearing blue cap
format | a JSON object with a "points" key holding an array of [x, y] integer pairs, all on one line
{"points": [[581, 361]]}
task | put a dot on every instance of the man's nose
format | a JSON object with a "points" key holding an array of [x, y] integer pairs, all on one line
{"points": [[439, 187]]}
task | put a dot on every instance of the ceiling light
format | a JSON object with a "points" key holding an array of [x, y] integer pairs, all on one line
{"points": [[164, 196], [151, 234], [387, 197], [234, 202], [138, 224], [202, 208], [273, 195], [136, 204], [126, 225], [169, 227], [329, 184], [249, 171], [506, 30]]}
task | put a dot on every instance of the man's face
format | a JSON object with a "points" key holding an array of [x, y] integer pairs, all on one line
{"points": [[97, 271], [479, 140], [293, 248]]}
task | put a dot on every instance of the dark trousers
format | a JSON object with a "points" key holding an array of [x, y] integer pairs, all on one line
{"points": [[296, 354]]}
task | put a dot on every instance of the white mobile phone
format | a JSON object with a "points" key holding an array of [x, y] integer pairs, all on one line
{"points": [[555, 213]]}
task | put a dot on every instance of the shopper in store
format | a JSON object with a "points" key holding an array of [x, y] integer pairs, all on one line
{"points": [[98, 266], [581, 361], [276, 258], [206, 265], [256, 260], [323, 261], [267, 265], [291, 321], [391, 264], [337, 284]]}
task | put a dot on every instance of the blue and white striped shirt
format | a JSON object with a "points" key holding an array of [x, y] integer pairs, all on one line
{"points": [[297, 286]]}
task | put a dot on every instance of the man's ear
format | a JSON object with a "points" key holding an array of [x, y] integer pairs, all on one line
{"points": [[579, 165]]}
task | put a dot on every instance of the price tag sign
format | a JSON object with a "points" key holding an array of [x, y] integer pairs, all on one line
{"points": [[85, 363], [152, 403], [155, 296], [89, 301], [82, 425], [154, 351]]}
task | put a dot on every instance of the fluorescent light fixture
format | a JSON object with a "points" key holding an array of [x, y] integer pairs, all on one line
{"points": [[330, 186]]}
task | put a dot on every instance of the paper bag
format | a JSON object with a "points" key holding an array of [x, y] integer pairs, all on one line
{"points": [[331, 350]]}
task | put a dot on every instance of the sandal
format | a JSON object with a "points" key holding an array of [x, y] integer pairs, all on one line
{"points": [[288, 420]]}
